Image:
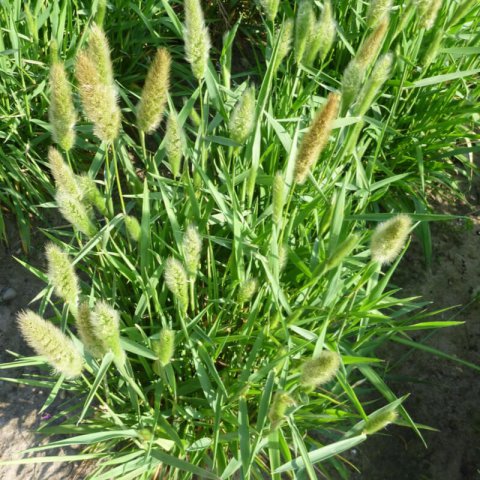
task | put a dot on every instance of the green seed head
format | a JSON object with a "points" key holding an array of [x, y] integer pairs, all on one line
{"points": [[50, 342], [165, 346], [93, 69], [369, 49], [173, 144], [342, 251], [320, 370], [133, 227], [428, 12], [154, 94], [282, 257], [197, 38], [105, 322], [62, 276], [352, 81], [98, 51], [316, 138], [83, 321], [61, 114], [278, 198], [284, 42], [389, 238], [377, 78], [75, 213], [91, 195], [379, 421], [177, 282], [321, 37], [270, 7], [304, 26], [65, 179], [192, 249], [281, 402], [377, 10], [247, 290], [242, 119]]}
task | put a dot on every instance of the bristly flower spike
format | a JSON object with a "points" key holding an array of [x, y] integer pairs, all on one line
{"points": [[377, 10], [75, 213], [316, 138], [379, 421], [304, 25], [62, 276], [281, 402], [284, 42], [164, 348], [197, 38], [192, 249], [65, 179], [91, 195], [242, 119], [320, 369], [247, 290], [154, 94], [50, 342], [428, 12], [105, 323], [61, 113], [94, 72], [83, 322], [173, 144], [177, 282], [389, 238], [270, 7]]}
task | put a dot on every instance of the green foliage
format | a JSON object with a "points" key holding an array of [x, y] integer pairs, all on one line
{"points": [[254, 272]]}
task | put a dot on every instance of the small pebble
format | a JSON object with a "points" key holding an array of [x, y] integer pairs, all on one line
{"points": [[7, 294]]}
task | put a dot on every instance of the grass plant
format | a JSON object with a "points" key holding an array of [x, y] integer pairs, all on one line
{"points": [[228, 308]]}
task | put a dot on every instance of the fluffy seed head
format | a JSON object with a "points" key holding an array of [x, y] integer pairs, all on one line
{"points": [[165, 346], [270, 7], [75, 213], [428, 12], [377, 10], [379, 421], [63, 175], [83, 322], [377, 78], [344, 249], [371, 46], [105, 322], [62, 275], [173, 144], [247, 290], [177, 281], [282, 257], [197, 38], [389, 238], [284, 42], [61, 113], [321, 37], [353, 77], [320, 370], [154, 94], [281, 401], [304, 25], [242, 119], [278, 197], [314, 141], [91, 195], [133, 227], [99, 97], [98, 51], [192, 249], [50, 342]]}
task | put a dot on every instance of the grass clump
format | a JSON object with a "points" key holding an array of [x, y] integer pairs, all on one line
{"points": [[227, 259]]}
